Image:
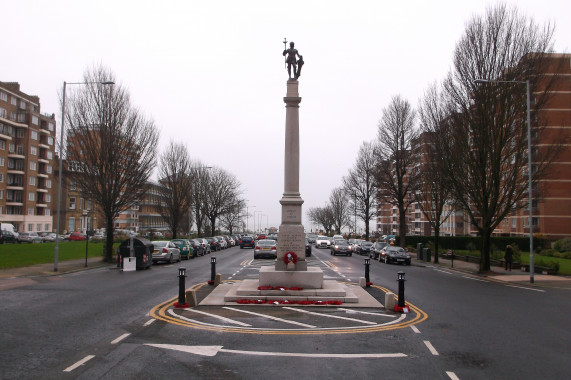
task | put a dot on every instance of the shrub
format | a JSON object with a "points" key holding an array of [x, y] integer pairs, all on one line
{"points": [[470, 247], [540, 262], [562, 245], [517, 253]]}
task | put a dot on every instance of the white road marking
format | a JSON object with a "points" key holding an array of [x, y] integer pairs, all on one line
{"points": [[227, 320], [331, 316], [443, 271], [452, 375], [213, 350], [365, 312], [149, 322], [431, 348], [270, 317], [475, 279], [120, 338], [521, 287], [79, 363], [413, 327]]}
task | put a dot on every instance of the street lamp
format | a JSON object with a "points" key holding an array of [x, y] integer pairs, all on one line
{"points": [[255, 219], [248, 216], [86, 216], [58, 231], [529, 167]]}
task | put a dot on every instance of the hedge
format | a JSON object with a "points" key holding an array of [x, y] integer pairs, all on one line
{"points": [[464, 242]]}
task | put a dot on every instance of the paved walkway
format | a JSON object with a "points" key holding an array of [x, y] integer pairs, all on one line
{"points": [[497, 273], [48, 269]]}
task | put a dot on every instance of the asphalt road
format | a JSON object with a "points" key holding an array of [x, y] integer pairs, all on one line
{"points": [[96, 325]]}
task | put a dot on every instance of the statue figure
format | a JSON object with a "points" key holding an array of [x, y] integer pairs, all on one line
{"points": [[299, 66], [291, 60]]}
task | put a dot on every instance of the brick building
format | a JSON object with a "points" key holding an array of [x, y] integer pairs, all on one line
{"points": [[27, 150]]}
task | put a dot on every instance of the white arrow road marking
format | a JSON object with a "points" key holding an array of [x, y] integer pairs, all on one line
{"points": [[213, 350], [227, 320], [521, 287], [475, 279], [270, 317]]}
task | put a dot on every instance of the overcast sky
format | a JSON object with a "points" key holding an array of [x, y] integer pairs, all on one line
{"points": [[211, 73]]}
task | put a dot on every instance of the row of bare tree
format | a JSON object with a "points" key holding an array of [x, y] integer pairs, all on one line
{"points": [[466, 145], [111, 153]]}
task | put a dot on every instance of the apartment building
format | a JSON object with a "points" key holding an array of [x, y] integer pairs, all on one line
{"points": [[27, 150]]}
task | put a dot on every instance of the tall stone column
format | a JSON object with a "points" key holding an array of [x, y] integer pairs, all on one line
{"points": [[291, 235]]}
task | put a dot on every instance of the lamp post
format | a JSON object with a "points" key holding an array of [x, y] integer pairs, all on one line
{"points": [[58, 231], [248, 216], [255, 212], [529, 167], [86, 216]]}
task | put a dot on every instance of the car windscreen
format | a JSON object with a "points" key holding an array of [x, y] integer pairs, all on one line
{"points": [[160, 244], [266, 243]]}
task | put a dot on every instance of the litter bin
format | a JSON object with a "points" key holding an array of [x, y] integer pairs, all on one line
{"points": [[143, 251], [419, 252], [427, 254]]}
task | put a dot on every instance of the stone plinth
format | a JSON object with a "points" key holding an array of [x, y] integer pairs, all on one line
{"points": [[312, 278]]}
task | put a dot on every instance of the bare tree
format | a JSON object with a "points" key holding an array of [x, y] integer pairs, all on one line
{"points": [[322, 216], [233, 216], [111, 147], [395, 177], [176, 183], [339, 209], [222, 191], [359, 184], [199, 189], [485, 137], [433, 193]]}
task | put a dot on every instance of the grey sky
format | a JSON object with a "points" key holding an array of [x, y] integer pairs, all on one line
{"points": [[211, 73]]}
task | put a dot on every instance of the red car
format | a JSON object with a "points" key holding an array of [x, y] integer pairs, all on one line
{"points": [[76, 236]]}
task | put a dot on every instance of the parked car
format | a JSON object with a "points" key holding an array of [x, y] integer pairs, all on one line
{"points": [[266, 248], [397, 255], [205, 245], [363, 247], [247, 241], [51, 237], [322, 242], [183, 245], [8, 237], [76, 236], [307, 248], [214, 244], [311, 238], [272, 237], [222, 241], [377, 250], [261, 236], [341, 247], [29, 237], [165, 250]]}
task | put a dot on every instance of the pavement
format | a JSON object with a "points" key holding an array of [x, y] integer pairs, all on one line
{"points": [[499, 274]]}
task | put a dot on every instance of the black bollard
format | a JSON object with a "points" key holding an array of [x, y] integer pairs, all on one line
{"points": [[181, 286], [401, 281], [212, 270], [367, 278], [452, 258]]}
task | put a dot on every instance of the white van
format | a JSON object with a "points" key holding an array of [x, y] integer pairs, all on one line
{"points": [[8, 227]]}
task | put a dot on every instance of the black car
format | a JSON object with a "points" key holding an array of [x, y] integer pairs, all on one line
{"points": [[397, 255], [341, 247], [7, 237], [307, 248], [364, 248], [247, 241], [214, 244], [197, 248], [375, 251]]}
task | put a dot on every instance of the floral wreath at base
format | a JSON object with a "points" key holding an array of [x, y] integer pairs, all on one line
{"points": [[279, 288], [287, 302], [181, 306], [403, 309], [290, 257], [211, 282], [368, 284]]}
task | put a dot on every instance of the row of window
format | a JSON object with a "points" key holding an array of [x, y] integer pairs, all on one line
{"points": [[17, 210], [8, 130]]}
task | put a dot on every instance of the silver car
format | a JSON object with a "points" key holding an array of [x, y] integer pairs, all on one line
{"points": [[29, 237], [165, 251], [266, 248]]}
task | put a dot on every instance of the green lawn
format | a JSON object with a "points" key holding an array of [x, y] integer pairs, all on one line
{"points": [[22, 255]]}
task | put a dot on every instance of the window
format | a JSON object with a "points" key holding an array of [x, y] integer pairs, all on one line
{"points": [[33, 165], [20, 150], [1, 177], [14, 101], [47, 212], [30, 227], [50, 155], [72, 185], [31, 196], [49, 169], [2, 145], [47, 227], [50, 140], [51, 126], [22, 105], [88, 204], [48, 183], [72, 203], [4, 96], [38, 227], [30, 211], [1, 194], [72, 224], [3, 112], [11, 148], [48, 198], [21, 117], [2, 161], [35, 120], [32, 181], [34, 135], [34, 150]]}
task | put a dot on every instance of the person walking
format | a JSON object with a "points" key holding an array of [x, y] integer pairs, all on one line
{"points": [[508, 257]]}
